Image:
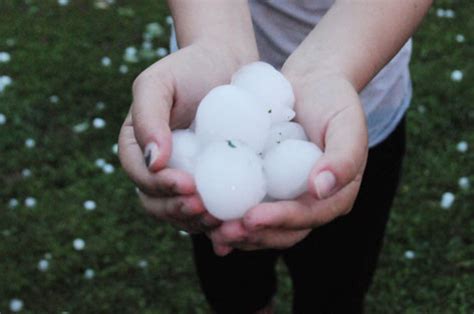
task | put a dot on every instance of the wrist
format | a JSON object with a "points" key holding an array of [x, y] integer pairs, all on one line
{"points": [[229, 55]]}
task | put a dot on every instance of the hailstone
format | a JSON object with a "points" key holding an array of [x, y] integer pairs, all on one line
{"points": [[287, 167], [282, 131], [184, 149], [269, 85], [229, 112], [229, 178]]}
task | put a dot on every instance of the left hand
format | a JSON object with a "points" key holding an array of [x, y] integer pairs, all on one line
{"points": [[329, 109]]}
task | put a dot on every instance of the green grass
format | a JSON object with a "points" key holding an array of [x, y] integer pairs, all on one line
{"points": [[58, 51]]}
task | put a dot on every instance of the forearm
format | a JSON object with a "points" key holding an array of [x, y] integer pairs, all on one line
{"points": [[356, 38], [220, 25]]}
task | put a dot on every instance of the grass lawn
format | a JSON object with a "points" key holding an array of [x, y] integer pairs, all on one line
{"points": [[62, 89]]}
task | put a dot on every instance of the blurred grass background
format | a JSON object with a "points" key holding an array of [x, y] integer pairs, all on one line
{"points": [[140, 266]]}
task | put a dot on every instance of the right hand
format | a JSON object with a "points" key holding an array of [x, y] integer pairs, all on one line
{"points": [[165, 97]]}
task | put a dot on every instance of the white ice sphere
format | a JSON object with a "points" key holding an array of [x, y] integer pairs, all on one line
{"points": [[26, 173], [449, 14], [287, 167], [282, 131], [142, 263], [161, 52], [464, 183], [30, 202], [13, 202], [3, 119], [440, 12], [183, 233], [108, 168], [229, 177], [231, 113], [447, 200], [100, 162], [30, 143], [462, 147], [123, 69], [460, 38], [106, 61], [409, 254], [185, 147], [43, 265], [456, 75], [267, 83], [89, 273], [63, 2], [54, 99], [81, 127], [4, 57], [89, 205], [79, 244], [115, 149], [16, 305], [98, 123]]}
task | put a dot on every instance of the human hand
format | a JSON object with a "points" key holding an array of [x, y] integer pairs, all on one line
{"points": [[329, 109], [165, 97]]}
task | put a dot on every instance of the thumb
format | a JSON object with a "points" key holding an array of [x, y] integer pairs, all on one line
{"points": [[345, 153], [152, 102]]}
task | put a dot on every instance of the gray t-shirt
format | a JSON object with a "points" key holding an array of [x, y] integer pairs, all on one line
{"points": [[281, 25]]}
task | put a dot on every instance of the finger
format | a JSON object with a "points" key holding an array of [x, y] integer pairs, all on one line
{"points": [[166, 182], [178, 208], [345, 153], [152, 102], [306, 212], [221, 250], [273, 239], [229, 233]]}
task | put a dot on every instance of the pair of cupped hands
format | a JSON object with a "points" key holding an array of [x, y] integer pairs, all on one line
{"points": [[166, 96]]}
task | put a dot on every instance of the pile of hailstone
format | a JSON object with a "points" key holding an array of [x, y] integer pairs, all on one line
{"points": [[242, 147]]}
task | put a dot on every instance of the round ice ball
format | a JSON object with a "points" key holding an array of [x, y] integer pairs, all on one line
{"points": [[185, 147], [267, 83], [282, 131], [287, 167], [230, 112], [229, 178]]}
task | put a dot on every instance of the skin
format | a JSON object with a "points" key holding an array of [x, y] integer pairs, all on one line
{"points": [[352, 42]]}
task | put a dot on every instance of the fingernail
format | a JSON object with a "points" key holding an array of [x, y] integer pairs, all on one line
{"points": [[151, 154], [324, 184]]}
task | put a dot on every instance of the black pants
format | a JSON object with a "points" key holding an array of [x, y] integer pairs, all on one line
{"points": [[331, 269]]}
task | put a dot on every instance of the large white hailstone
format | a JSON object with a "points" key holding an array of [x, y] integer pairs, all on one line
{"points": [[43, 265], [89, 205], [282, 131], [79, 244], [89, 273], [229, 112], [30, 202], [456, 75], [447, 200], [287, 167], [229, 177], [409, 254], [185, 147], [108, 168], [4, 57], [106, 61], [98, 123], [30, 143], [464, 183], [462, 147], [16, 305], [267, 83], [3, 119]]}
